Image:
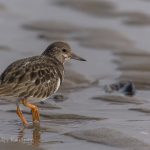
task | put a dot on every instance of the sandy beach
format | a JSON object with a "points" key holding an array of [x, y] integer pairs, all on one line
{"points": [[114, 38]]}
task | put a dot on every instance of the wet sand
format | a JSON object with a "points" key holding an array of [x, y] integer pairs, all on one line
{"points": [[114, 37]]}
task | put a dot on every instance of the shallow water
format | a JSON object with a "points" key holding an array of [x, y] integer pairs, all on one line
{"points": [[104, 59]]}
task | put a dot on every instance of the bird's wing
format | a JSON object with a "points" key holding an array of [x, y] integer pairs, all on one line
{"points": [[29, 77]]}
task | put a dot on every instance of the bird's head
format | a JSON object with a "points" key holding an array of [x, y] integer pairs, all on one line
{"points": [[62, 52]]}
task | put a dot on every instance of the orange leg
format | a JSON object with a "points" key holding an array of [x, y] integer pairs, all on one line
{"points": [[23, 119], [34, 109]]}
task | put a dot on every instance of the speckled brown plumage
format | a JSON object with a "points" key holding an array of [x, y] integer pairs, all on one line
{"points": [[36, 77], [29, 77]]}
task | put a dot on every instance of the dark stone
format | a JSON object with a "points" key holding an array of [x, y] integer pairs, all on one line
{"points": [[127, 88], [59, 98]]}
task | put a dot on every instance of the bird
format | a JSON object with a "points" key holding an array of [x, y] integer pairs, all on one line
{"points": [[33, 79]]}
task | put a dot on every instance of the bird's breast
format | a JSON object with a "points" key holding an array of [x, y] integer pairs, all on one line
{"points": [[57, 85]]}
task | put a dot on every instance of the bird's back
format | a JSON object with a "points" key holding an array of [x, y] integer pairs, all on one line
{"points": [[37, 77]]}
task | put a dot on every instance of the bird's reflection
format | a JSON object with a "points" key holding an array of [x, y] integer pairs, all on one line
{"points": [[36, 135]]}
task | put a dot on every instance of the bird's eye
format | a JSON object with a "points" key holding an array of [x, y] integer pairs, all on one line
{"points": [[64, 50]]}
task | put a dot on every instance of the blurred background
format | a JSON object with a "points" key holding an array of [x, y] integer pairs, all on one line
{"points": [[114, 37]]}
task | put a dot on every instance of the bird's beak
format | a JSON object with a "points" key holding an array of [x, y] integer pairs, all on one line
{"points": [[76, 57]]}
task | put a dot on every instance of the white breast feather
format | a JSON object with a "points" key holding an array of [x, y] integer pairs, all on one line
{"points": [[58, 84]]}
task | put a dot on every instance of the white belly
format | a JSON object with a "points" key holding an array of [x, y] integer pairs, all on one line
{"points": [[58, 85]]}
